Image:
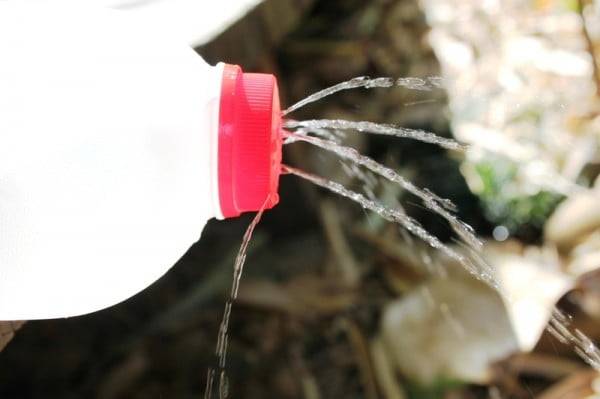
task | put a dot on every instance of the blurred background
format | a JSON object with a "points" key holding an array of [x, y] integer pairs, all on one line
{"points": [[337, 303]]}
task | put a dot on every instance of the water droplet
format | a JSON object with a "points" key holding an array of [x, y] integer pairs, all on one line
{"points": [[500, 233]]}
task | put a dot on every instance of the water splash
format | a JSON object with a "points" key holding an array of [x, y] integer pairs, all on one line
{"points": [[397, 216], [432, 202], [376, 128], [222, 341]]}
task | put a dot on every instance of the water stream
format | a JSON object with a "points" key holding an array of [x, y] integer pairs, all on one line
{"points": [[471, 259], [559, 325], [222, 340], [423, 84], [480, 271], [375, 128], [361, 81], [443, 207]]}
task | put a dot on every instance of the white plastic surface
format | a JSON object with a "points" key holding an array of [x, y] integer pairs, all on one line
{"points": [[196, 21], [105, 156]]}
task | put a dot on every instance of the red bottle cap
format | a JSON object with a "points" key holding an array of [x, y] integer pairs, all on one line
{"points": [[249, 141]]}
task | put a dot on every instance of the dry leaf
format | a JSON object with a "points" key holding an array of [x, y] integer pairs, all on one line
{"points": [[448, 328], [7, 331]]}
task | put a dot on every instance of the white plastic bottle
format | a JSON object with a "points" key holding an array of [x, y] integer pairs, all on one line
{"points": [[117, 144]]}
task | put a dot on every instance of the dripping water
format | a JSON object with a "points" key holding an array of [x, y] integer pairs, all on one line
{"points": [[222, 340]]}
